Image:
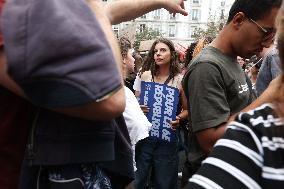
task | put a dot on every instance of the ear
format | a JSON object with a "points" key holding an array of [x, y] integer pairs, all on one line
{"points": [[238, 20], [124, 60]]}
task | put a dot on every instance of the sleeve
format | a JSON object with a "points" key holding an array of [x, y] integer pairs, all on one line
{"points": [[207, 99], [234, 161], [137, 123], [275, 65], [137, 83], [58, 53]]}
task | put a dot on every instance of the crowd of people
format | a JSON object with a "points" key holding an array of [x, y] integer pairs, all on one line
{"points": [[81, 109]]}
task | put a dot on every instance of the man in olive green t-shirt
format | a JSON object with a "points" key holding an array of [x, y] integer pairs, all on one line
{"points": [[215, 84]]}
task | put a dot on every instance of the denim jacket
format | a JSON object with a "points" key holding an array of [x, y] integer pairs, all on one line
{"points": [[269, 70]]}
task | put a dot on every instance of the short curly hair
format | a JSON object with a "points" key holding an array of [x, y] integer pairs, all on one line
{"points": [[125, 45]]}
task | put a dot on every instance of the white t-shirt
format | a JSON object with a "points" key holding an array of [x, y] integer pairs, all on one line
{"points": [[137, 123], [137, 83]]}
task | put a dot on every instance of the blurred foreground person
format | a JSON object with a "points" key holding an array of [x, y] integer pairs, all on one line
{"points": [[16, 114], [64, 57]]}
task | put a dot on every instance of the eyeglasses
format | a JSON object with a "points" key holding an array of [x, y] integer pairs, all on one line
{"points": [[268, 33]]}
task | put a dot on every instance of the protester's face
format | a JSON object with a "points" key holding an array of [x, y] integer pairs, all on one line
{"points": [[254, 71], [257, 34], [162, 54], [129, 61], [240, 60]]}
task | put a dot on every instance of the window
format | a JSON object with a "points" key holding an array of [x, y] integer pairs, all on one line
{"points": [[193, 31], [143, 16], [172, 30], [142, 27], [157, 28], [116, 30], [172, 17], [222, 16], [195, 14], [157, 14], [189, 33]]}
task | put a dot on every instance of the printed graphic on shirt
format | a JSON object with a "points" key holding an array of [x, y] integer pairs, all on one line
{"points": [[243, 88], [162, 101]]}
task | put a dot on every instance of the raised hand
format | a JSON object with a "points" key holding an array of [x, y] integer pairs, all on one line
{"points": [[175, 6]]}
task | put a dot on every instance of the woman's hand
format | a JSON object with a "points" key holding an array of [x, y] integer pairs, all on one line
{"points": [[144, 109], [175, 124]]}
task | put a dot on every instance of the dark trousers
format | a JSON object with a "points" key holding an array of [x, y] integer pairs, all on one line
{"points": [[162, 157]]}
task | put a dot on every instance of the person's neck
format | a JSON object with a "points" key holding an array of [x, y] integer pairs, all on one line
{"points": [[125, 72], [222, 43], [163, 71]]}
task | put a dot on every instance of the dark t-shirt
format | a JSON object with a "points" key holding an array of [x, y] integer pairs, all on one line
{"points": [[216, 88], [59, 55]]}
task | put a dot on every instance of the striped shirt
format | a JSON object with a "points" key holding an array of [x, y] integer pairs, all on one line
{"points": [[250, 154]]}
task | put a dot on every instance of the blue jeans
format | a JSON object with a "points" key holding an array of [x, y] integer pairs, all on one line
{"points": [[162, 157]]}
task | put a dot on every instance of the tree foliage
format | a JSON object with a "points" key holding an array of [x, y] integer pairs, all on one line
{"points": [[213, 27], [145, 34]]}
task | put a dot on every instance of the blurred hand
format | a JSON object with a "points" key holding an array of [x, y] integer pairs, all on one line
{"points": [[267, 96], [175, 6], [144, 109], [175, 124], [272, 89]]}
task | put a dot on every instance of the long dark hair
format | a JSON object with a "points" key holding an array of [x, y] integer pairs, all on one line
{"points": [[154, 68]]}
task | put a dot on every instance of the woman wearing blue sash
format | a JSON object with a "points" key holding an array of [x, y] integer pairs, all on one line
{"points": [[161, 91]]}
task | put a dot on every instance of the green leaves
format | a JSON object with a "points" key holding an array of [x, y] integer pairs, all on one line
{"points": [[145, 34]]}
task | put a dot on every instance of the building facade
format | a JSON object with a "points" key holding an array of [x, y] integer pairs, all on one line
{"points": [[179, 29]]}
